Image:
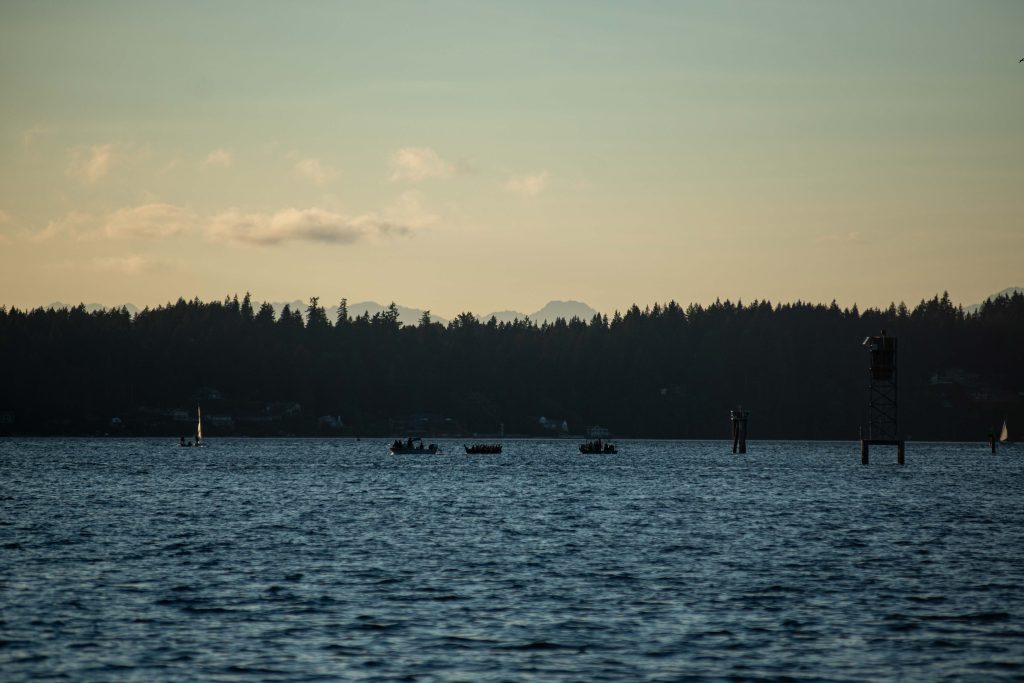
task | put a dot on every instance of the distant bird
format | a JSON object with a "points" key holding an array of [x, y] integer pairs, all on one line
{"points": [[1021, 60]]}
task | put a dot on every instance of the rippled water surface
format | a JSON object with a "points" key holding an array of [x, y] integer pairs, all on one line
{"points": [[325, 559]]}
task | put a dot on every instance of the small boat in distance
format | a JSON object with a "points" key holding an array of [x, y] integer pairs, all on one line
{"points": [[199, 428], [409, 446], [199, 433], [1004, 436], [481, 448], [595, 447]]}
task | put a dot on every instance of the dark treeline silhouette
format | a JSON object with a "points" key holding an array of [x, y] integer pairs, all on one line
{"points": [[662, 371]]}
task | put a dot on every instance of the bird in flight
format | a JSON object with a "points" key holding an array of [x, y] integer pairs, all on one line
{"points": [[1021, 60]]}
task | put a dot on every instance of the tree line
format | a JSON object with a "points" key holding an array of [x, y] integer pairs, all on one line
{"points": [[664, 371]]}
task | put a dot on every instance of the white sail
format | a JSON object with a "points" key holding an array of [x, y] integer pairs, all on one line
{"points": [[199, 426], [1004, 436]]}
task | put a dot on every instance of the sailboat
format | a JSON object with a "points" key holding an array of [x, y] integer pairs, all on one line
{"points": [[1004, 436], [199, 427]]}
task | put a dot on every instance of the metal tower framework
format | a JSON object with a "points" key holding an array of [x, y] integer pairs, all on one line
{"points": [[883, 394], [882, 389]]}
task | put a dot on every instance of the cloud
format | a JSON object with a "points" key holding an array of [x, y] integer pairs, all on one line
{"points": [[289, 225], [219, 157], [90, 164], [71, 224], [133, 264], [314, 171], [168, 167], [409, 211], [149, 221], [529, 185], [419, 163], [29, 135], [4, 217], [156, 221]]}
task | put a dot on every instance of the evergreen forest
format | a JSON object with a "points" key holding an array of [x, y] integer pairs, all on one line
{"points": [[664, 371]]}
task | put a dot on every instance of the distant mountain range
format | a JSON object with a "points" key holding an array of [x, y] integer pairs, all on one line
{"points": [[1009, 291], [92, 308], [410, 316], [406, 315], [563, 309]]}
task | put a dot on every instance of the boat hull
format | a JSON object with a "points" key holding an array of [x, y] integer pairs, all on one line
{"points": [[604, 451], [414, 451]]}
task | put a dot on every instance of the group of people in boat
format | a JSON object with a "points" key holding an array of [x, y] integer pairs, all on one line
{"points": [[489, 448], [597, 446], [411, 445]]}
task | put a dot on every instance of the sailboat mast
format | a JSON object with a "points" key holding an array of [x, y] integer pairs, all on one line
{"points": [[199, 425]]}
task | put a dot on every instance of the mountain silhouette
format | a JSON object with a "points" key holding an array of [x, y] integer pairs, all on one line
{"points": [[563, 309], [93, 307], [505, 316], [406, 315], [1009, 291], [411, 316]]}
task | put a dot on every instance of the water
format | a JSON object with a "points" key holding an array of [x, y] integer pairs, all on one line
{"points": [[300, 560]]}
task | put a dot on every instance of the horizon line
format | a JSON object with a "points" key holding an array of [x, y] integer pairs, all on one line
{"points": [[332, 306]]}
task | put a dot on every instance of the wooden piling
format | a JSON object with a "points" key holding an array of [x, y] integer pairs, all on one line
{"points": [[863, 452], [900, 454], [992, 442], [739, 430]]}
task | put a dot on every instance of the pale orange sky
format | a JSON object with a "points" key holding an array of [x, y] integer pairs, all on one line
{"points": [[483, 157]]}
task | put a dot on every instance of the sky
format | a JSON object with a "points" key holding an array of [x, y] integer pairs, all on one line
{"points": [[475, 156]]}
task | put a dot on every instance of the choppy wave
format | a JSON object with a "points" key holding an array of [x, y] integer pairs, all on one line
{"points": [[312, 560]]}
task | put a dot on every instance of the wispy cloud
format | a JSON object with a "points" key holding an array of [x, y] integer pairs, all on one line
{"points": [[88, 164], [132, 264], [149, 221], [4, 217], [419, 163], [409, 210], [289, 225], [220, 158], [529, 185], [314, 170], [72, 224], [129, 264], [31, 134], [159, 221]]}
